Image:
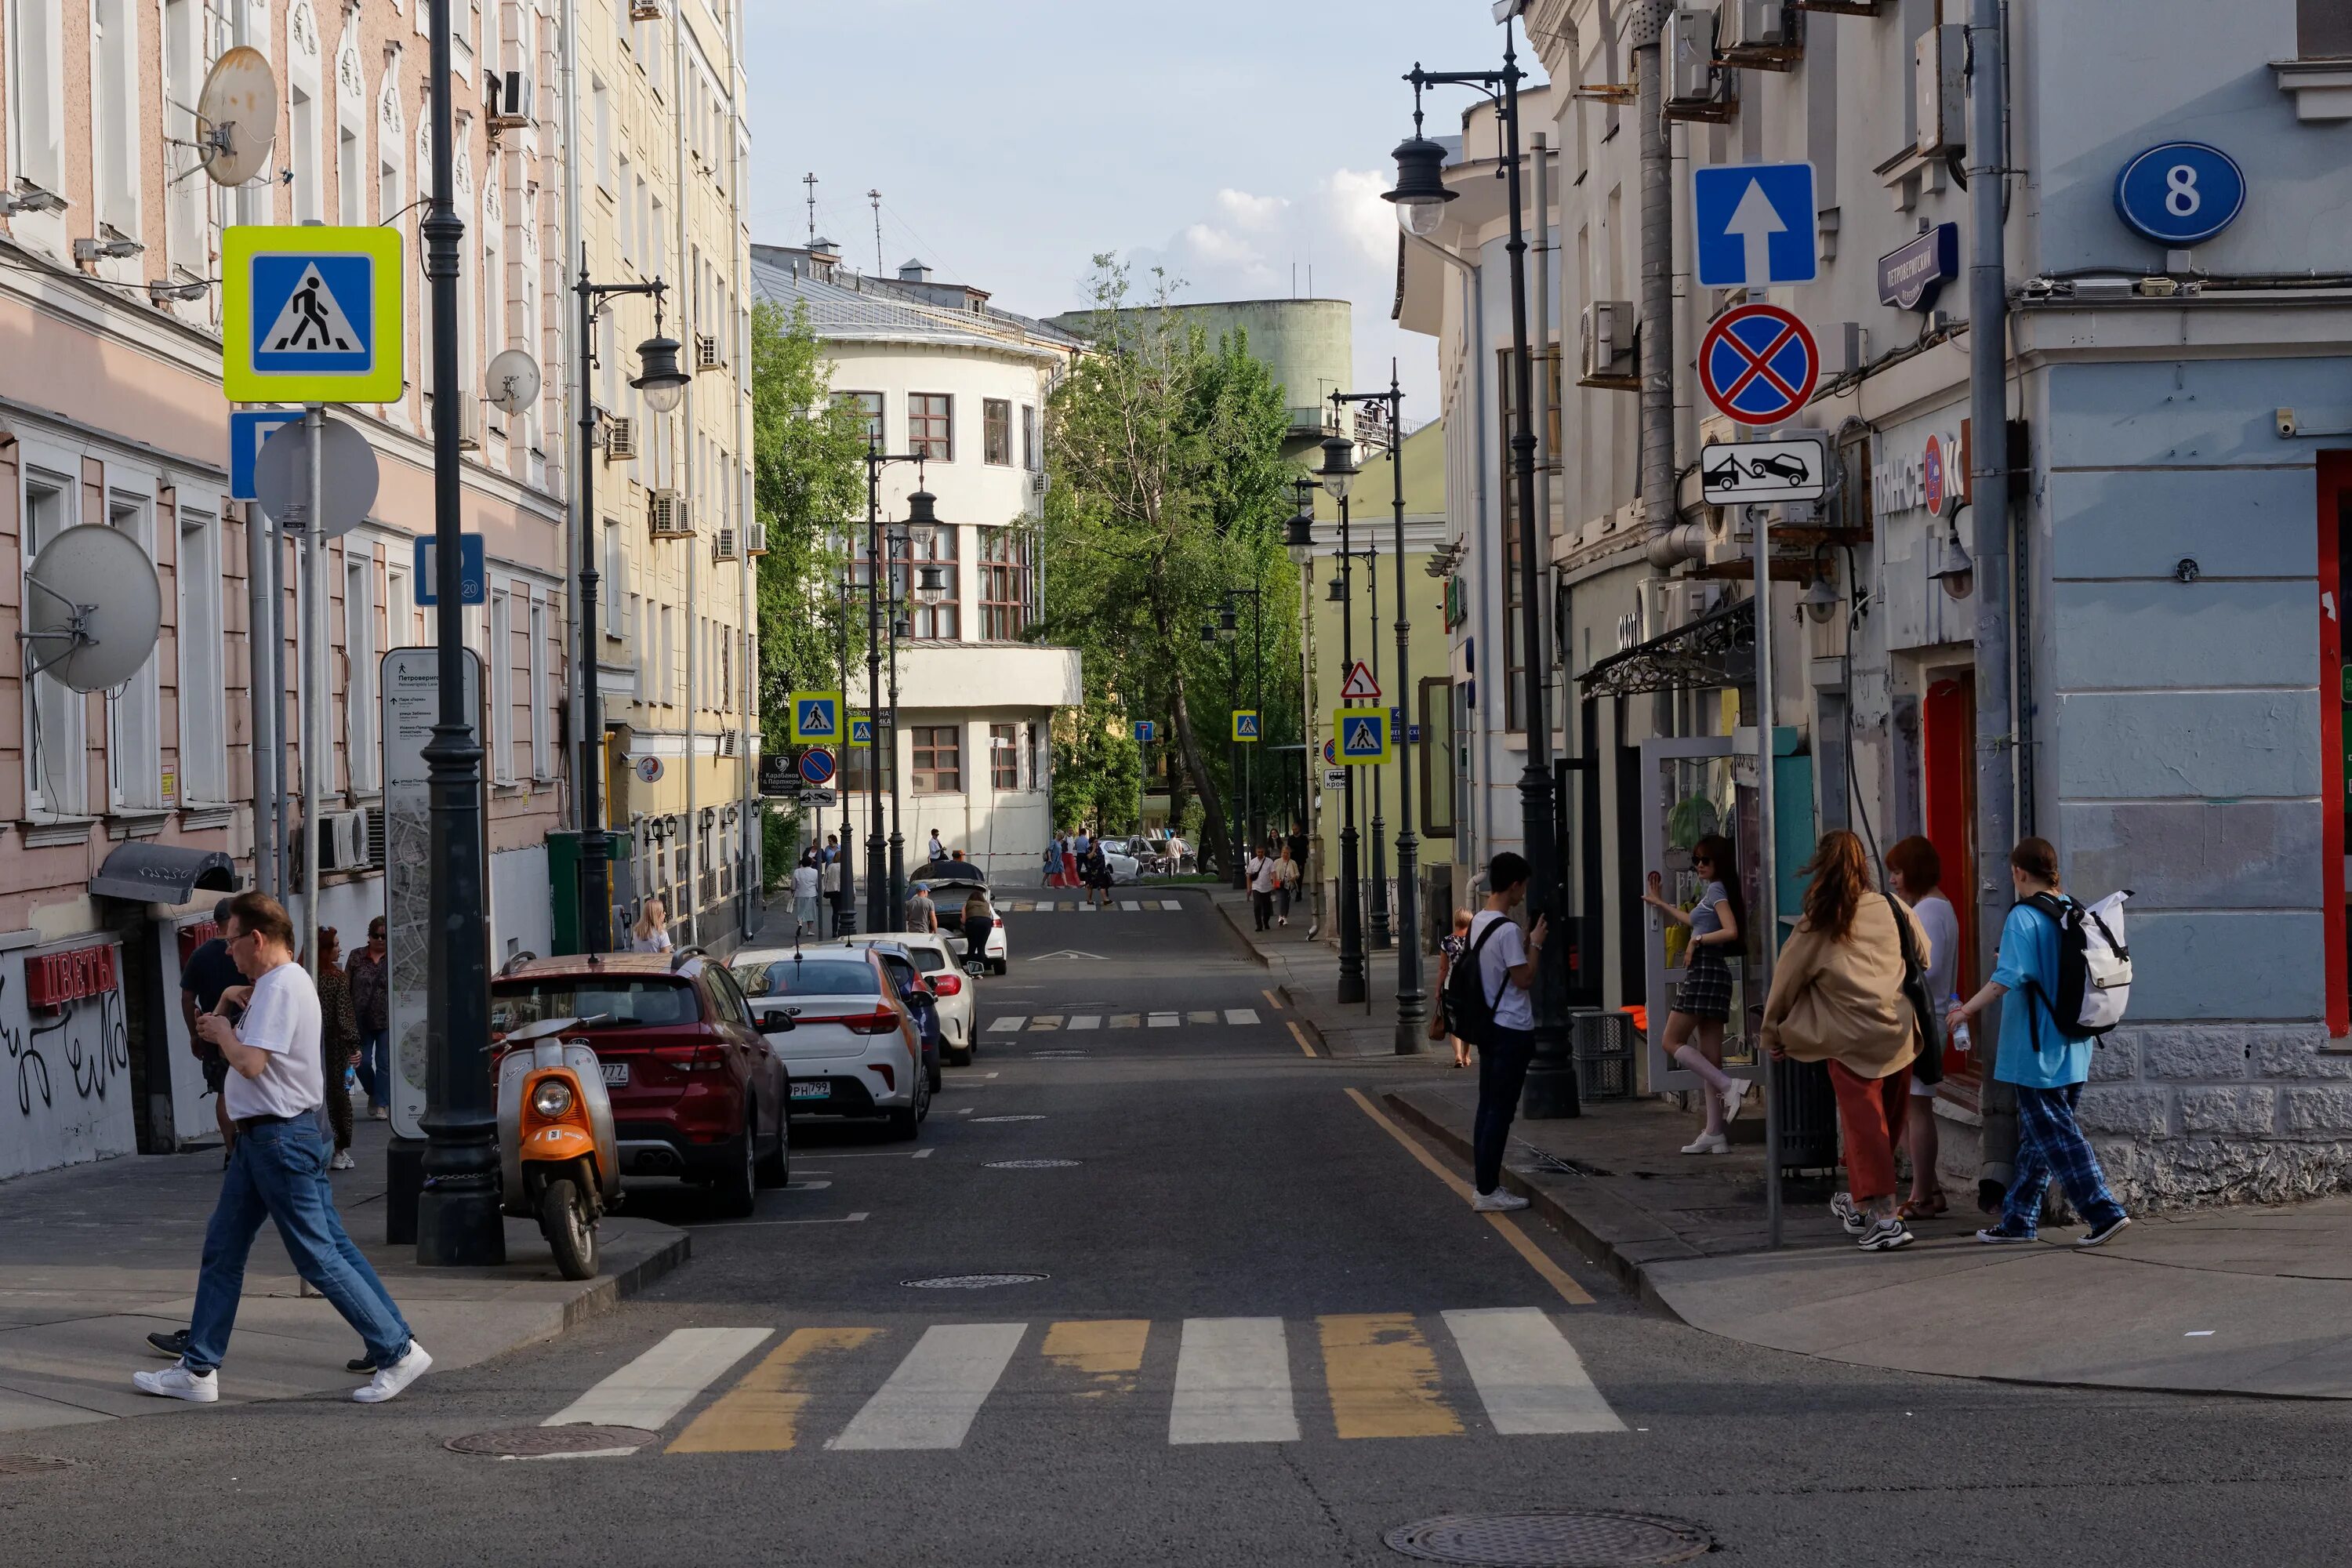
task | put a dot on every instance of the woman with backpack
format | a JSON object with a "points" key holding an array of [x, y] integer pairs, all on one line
{"points": [[1703, 1001], [2045, 1056], [1838, 998]]}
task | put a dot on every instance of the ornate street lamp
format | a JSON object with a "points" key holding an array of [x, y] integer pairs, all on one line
{"points": [[1338, 472]]}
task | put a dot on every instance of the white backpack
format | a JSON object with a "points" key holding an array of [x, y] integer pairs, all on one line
{"points": [[2094, 973]]}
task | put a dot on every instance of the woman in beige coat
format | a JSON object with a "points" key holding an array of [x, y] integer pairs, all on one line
{"points": [[1837, 997]]}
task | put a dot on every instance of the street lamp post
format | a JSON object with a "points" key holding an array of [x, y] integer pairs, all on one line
{"points": [[1337, 471], [662, 384], [844, 913], [1298, 543], [920, 512], [1421, 195], [1241, 758]]}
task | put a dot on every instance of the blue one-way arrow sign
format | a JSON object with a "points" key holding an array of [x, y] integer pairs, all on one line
{"points": [[1754, 225]]}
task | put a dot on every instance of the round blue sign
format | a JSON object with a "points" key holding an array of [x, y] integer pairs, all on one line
{"points": [[816, 765], [2180, 192]]}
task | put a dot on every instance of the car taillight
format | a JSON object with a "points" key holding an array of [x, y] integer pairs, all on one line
{"points": [[692, 1058], [945, 984], [881, 1022], [889, 1079]]}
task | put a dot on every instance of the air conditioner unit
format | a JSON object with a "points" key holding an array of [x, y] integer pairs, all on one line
{"points": [[343, 842], [468, 409], [705, 353], [1759, 34], [510, 100], [725, 548], [1609, 360], [620, 437], [1941, 81], [1696, 89], [669, 515], [755, 539], [645, 10]]}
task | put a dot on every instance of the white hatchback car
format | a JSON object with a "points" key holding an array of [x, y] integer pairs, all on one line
{"points": [[940, 958], [845, 1038]]}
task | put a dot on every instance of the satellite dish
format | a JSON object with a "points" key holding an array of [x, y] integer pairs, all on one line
{"points": [[92, 607], [237, 116], [514, 381]]}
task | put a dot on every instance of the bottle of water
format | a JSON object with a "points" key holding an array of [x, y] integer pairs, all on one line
{"points": [[1959, 1041]]}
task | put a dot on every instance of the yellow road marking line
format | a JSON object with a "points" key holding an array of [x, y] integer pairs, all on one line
{"points": [[1272, 1000], [1108, 1351], [1554, 1275], [762, 1413], [1383, 1377], [1300, 1036]]}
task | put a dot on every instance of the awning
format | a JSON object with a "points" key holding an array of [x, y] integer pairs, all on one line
{"points": [[1716, 649], [162, 874]]}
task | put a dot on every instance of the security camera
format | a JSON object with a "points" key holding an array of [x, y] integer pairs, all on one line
{"points": [[2286, 423]]}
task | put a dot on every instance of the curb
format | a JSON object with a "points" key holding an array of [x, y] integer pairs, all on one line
{"points": [[1248, 946], [609, 1291]]}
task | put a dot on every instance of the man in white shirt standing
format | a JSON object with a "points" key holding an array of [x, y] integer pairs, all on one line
{"points": [[275, 1170], [1259, 870], [1506, 966]]}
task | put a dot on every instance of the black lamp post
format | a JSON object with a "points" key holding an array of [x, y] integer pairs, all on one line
{"points": [[844, 912], [1228, 630], [882, 750], [1411, 1001], [1337, 471], [1421, 195], [663, 385], [1298, 543]]}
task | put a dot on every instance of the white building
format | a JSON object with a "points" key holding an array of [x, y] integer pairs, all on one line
{"points": [[942, 373]]}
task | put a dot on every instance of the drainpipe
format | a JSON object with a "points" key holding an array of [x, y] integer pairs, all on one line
{"points": [[688, 325], [578, 529], [1667, 544], [751, 876]]}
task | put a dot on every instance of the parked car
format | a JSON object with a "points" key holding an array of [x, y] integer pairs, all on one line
{"points": [[1128, 858], [938, 956], [698, 1090], [914, 992], [835, 1016], [950, 886]]}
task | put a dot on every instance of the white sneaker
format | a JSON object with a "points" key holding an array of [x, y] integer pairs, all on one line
{"points": [[1708, 1144], [1501, 1199], [342, 1161], [1733, 1093], [389, 1381], [1886, 1236], [1849, 1213], [176, 1382]]}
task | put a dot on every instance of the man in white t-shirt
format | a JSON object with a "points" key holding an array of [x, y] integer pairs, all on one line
{"points": [[1507, 965], [276, 1170], [1259, 871]]}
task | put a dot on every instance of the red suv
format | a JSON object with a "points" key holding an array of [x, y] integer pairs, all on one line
{"points": [[697, 1091]]}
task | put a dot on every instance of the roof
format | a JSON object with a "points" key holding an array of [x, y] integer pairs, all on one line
{"points": [[844, 306]]}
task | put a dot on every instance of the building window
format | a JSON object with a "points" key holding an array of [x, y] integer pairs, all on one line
{"points": [[939, 758], [615, 565], [134, 740], [1029, 437], [500, 656], [1036, 759], [204, 699], [1003, 758], [1003, 584], [36, 113], [186, 206], [1436, 757], [910, 548], [996, 431], [359, 652], [55, 770], [543, 720], [871, 404], [930, 425], [115, 150]]}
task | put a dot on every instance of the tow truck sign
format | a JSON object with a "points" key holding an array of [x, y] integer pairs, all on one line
{"points": [[1786, 467]]}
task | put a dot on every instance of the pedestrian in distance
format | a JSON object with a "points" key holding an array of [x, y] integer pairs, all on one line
{"points": [[1915, 873], [1837, 997], [1286, 884], [369, 978], [1450, 948], [939, 851], [833, 899], [276, 1172], [339, 1044], [651, 933], [979, 920], [2044, 1059], [922, 914], [1702, 1003], [1054, 850], [1082, 845], [805, 878], [1491, 1008], [1259, 871], [1096, 868], [209, 972]]}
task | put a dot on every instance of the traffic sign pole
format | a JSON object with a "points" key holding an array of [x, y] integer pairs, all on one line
{"points": [[314, 677]]}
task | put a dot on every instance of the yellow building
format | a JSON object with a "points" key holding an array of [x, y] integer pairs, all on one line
{"points": [[664, 149]]}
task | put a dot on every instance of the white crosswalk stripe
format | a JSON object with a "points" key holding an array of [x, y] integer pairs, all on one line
{"points": [[654, 1387], [1529, 1378], [1241, 1015], [1164, 1020], [1085, 1021], [1232, 1383], [1231, 1017], [930, 1400], [1009, 1025]]}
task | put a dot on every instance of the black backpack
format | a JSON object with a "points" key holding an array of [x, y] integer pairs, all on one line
{"points": [[1469, 1011]]}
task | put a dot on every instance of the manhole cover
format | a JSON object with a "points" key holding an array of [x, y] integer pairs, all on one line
{"points": [[549, 1442], [30, 1463], [1008, 1119], [971, 1282], [1031, 1164], [1551, 1538]]}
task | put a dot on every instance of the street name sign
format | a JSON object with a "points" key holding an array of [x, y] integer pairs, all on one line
{"points": [[1245, 725], [311, 314], [1363, 734], [1913, 272], [1758, 364], [1754, 225], [816, 716], [1359, 685], [778, 780], [1786, 467]]}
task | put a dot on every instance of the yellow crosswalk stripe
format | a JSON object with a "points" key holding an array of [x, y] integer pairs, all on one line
{"points": [[1048, 1021], [1201, 1017], [762, 1413], [1383, 1377], [1125, 1020], [1107, 1351]]}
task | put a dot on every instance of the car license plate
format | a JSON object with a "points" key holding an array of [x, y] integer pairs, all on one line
{"points": [[617, 1075], [817, 1089]]}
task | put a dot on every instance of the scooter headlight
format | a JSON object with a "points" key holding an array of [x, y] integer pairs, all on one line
{"points": [[551, 1097]]}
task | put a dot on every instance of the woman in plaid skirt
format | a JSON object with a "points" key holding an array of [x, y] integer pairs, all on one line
{"points": [[1703, 1001]]}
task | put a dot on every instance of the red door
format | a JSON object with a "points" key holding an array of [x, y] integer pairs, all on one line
{"points": [[1948, 717]]}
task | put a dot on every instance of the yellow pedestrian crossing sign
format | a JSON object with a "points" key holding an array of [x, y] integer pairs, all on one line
{"points": [[311, 314], [1245, 725], [861, 729], [816, 718], [1363, 734]]}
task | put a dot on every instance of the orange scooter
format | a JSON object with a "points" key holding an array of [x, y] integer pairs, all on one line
{"points": [[556, 1147]]}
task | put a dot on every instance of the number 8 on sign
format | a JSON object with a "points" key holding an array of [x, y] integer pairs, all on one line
{"points": [[2180, 194]]}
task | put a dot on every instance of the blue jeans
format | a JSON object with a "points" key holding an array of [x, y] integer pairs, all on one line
{"points": [[279, 1171], [2050, 1143], [1503, 1058], [375, 1065]]}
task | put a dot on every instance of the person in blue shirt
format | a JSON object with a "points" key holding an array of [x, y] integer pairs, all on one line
{"points": [[2044, 1061]]}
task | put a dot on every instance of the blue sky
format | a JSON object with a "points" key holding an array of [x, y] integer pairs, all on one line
{"points": [[1012, 140]]}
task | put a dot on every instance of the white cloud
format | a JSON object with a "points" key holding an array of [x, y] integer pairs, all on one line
{"points": [[1357, 211], [1251, 212], [1217, 248]]}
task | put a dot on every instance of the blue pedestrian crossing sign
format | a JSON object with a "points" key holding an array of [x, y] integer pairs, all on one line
{"points": [[1245, 725], [1144, 730], [816, 717], [1754, 225], [311, 314], [1364, 735], [861, 729]]}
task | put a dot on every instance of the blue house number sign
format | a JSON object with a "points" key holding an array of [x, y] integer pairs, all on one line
{"points": [[2180, 194]]}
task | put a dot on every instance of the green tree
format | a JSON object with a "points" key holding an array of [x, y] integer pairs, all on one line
{"points": [[1170, 491], [1097, 768]]}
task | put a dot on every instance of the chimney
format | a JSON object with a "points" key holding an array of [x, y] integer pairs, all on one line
{"points": [[824, 257], [913, 271]]}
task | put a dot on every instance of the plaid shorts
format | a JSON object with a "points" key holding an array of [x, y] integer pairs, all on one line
{"points": [[1705, 990]]}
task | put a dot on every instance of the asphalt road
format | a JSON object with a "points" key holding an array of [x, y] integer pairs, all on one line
{"points": [[1261, 1331]]}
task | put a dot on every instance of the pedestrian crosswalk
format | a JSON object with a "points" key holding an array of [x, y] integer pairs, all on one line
{"points": [[1048, 1022], [1065, 906], [1504, 1371]]}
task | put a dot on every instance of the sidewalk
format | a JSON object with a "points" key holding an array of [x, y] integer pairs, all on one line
{"points": [[2244, 1301], [93, 1257], [1306, 973]]}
